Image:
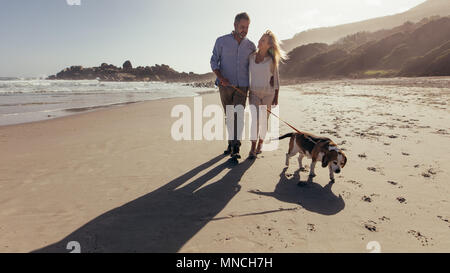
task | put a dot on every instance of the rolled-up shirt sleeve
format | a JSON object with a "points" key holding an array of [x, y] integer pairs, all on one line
{"points": [[215, 58]]}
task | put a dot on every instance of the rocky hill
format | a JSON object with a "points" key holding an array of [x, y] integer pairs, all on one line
{"points": [[412, 49], [332, 34]]}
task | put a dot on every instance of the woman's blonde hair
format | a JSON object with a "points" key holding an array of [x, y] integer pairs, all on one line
{"points": [[275, 52]]}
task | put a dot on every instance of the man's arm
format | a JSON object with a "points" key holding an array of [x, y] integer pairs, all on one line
{"points": [[223, 81], [215, 63]]}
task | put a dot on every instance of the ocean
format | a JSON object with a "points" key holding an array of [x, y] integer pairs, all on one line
{"points": [[33, 100]]}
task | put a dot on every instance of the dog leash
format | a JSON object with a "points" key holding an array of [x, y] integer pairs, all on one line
{"points": [[285, 122]]}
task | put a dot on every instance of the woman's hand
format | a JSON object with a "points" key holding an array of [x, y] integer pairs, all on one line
{"points": [[275, 100]]}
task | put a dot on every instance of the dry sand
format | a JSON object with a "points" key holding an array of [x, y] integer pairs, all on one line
{"points": [[115, 181]]}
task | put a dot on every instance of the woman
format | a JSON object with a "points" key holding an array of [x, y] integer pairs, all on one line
{"points": [[264, 86]]}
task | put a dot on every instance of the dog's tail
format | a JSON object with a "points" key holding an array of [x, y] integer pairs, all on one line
{"points": [[285, 136], [281, 137]]}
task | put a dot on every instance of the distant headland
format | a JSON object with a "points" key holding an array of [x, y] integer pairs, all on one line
{"points": [[109, 72]]}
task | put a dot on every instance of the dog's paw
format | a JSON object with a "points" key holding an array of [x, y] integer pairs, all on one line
{"points": [[332, 180], [312, 175]]}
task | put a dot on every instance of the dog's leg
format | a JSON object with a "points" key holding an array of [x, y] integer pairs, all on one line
{"points": [[331, 173], [300, 159], [290, 154], [292, 151], [311, 171]]}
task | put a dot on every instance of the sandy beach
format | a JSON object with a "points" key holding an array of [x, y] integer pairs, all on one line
{"points": [[114, 179]]}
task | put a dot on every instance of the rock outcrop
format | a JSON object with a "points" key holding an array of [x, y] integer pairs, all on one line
{"points": [[109, 72]]}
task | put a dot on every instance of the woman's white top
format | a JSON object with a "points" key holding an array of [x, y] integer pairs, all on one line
{"points": [[260, 74]]}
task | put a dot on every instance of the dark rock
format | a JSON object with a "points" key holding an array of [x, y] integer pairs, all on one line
{"points": [[127, 65]]}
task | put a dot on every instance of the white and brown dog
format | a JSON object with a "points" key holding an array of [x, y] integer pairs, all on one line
{"points": [[318, 149]]}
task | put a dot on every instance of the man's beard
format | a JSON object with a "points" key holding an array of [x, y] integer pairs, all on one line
{"points": [[239, 34]]}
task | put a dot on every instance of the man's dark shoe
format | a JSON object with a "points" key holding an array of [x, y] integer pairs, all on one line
{"points": [[228, 150], [235, 152]]}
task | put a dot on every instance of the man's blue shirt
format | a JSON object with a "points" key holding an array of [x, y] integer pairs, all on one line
{"points": [[232, 59]]}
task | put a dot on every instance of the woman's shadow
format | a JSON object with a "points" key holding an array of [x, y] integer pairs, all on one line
{"points": [[163, 220], [311, 196]]}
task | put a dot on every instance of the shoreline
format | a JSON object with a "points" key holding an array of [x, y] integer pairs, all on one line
{"points": [[438, 81], [79, 110]]}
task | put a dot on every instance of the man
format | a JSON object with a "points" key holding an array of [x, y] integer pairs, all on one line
{"points": [[230, 62]]}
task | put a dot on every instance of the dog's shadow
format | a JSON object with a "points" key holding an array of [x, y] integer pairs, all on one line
{"points": [[310, 195]]}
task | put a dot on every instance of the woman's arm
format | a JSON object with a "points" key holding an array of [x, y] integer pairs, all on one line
{"points": [[276, 85], [275, 99]]}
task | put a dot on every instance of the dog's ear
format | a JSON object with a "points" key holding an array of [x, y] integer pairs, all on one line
{"points": [[325, 159], [345, 160]]}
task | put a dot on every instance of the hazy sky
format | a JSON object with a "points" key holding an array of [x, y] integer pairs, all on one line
{"points": [[41, 37]]}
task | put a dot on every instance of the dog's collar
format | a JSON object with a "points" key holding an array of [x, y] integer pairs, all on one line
{"points": [[333, 148]]}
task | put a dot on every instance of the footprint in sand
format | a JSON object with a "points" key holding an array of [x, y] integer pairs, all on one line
{"points": [[444, 219], [419, 236], [311, 227], [346, 194], [441, 132], [429, 173], [395, 184], [354, 183], [370, 226], [363, 155]]}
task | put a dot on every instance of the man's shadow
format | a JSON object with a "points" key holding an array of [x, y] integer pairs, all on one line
{"points": [[311, 196], [163, 220]]}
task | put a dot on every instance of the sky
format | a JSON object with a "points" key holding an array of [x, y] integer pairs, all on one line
{"points": [[41, 37]]}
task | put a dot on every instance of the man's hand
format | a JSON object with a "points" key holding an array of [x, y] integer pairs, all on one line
{"points": [[224, 82]]}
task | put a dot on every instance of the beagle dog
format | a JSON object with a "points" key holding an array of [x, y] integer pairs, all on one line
{"points": [[318, 149]]}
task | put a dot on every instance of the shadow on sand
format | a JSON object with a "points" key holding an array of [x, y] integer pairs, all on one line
{"points": [[311, 196], [163, 220]]}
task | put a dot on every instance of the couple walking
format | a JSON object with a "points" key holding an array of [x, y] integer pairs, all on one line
{"points": [[243, 69]]}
